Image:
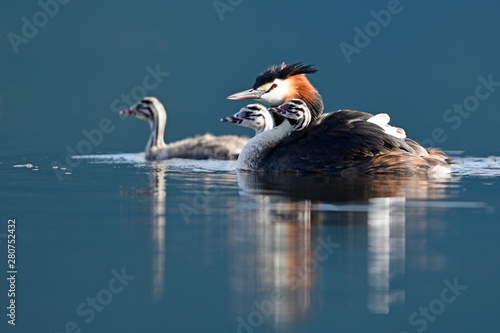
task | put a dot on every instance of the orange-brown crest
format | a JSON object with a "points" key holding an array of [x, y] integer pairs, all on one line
{"points": [[301, 88]]}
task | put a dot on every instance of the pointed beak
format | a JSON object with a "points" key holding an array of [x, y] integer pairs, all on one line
{"points": [[231, 119], [247, 94], [281, 110], [129, 112]]}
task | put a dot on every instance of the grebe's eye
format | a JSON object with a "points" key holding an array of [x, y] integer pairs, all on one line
{"points": [[274, 86]]}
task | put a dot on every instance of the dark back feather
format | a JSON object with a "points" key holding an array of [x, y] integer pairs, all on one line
{"points": [[341, 142]]}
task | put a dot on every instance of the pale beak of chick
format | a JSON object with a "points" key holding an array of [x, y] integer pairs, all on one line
{"points": [[231, 119], [129, 112], [281, 110]]}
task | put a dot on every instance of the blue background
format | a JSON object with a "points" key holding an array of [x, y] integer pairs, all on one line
{"points": [[73, 231], [66, 77]]}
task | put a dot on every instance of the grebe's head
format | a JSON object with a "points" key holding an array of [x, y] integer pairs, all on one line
{"points": [[277, 84], [296, 112], [254, 116], [282, 83], [149, 108]]}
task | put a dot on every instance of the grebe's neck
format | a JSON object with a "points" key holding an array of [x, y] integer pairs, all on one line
{"points": [[157, 124], [260, 145], [268, 124]]}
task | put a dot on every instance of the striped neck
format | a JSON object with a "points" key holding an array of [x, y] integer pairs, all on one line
{"points": [[302, 123], [268, 123], [301, 88], [157, 123]]}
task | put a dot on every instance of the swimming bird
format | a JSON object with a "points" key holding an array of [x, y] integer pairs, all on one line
{"points": [[208, 146], [282, 83], [343, 142], [254, 116]]}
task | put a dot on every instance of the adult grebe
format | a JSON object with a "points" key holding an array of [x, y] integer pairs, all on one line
{"points": [[226, 147], [254, 116], [343, 142], [282, 83]]}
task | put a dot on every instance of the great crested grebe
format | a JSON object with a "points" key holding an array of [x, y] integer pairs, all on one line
{"points": [[345, 142], [254, 116], [226, 147], [282, 83]]}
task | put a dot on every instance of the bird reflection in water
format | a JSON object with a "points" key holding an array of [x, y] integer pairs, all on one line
{"points": [[158, 183], [289, 233], [157, 193], [283, 219], [271, 242]]}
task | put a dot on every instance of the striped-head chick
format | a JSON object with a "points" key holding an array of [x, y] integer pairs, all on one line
{"points": [[296, 112], [254, 116], [149, 108]]}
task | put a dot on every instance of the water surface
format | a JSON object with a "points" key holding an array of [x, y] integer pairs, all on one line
{"points": [[206, 249], [200, 248]]}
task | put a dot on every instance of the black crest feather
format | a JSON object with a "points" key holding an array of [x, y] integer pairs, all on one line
{"points": [[282, 72]]}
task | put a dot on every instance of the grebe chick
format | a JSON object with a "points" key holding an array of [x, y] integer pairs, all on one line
{"points": [[254, 116], [226, 147], [343, 142]]}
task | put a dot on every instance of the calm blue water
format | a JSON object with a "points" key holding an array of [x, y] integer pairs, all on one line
{"points": [[115, 244], [201, 248]]}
